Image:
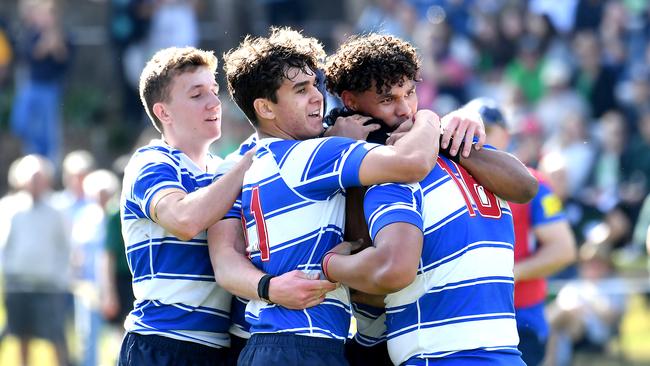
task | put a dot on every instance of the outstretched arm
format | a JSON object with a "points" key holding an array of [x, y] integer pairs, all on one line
{"points": [[236, 273], [186, 214]]}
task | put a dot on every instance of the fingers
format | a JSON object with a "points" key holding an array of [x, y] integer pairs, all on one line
{"points": [[469, 137], [482, 136], [394, 137], [458, 136], [450, 124], [372, 127]]}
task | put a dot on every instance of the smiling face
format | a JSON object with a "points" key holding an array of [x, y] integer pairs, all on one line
{"points": [[193, 109], [298, 113], [393, 106]]}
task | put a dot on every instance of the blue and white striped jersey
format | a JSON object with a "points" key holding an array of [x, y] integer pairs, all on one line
{"points": [[461, 301], [239, 326], [293, 206], [173, 282]]}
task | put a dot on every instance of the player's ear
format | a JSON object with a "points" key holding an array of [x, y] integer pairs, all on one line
{"points": [[160, 110], [264, 108], [349, 100]]}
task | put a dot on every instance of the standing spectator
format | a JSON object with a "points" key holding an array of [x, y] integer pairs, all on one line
{"points": [[594, 80], [35, 262], [45, 50], [128, 24], [87, 240]]}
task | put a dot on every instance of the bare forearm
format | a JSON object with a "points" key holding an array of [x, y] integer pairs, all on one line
{"points": [[187, 215], [367, 271], [502, 174], [421, 145], [236, 273]]}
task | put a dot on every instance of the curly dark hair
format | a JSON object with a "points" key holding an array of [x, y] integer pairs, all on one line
{"points": [[362, 59], [257, 67]]}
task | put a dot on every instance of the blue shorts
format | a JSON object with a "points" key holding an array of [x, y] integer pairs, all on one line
{"points": [[237, 344], [269, 349], [359, 355], [138, 350], [531, 346]]}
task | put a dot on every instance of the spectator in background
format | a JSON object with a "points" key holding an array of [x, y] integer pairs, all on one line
{"points": [[606, 219], [174, 23], [35, 259], [128, 24], [88, 236], [560, 101], [71, 200], [594, 80], [45, 50], [525, 71], [544, 244], [587, 311], [384, 16], [116, 292]]}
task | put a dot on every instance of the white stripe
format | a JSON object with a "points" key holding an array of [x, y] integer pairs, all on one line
{"points": [[476, 263], [453, 338]]}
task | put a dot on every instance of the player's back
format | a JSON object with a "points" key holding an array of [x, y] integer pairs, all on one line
{"points": [[461, 302]]}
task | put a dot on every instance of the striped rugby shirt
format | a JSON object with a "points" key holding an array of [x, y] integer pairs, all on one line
{"points": [[173, 281], [461, 302], [293, 207]]}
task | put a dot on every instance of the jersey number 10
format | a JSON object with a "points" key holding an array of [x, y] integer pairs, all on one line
{"points": [[485, 201]]}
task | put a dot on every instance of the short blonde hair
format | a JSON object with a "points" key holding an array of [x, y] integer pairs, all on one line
{"points": [[157, 76]]}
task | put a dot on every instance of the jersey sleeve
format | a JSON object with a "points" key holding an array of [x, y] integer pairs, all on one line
{"points": [[385, 204], [546, 207], [227, 164], [151, 176], [317, 168]]}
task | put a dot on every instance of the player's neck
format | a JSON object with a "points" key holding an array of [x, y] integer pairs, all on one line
{"points": [[269, 129], [197, 152]]}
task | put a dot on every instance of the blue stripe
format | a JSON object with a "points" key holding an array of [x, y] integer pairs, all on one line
{"points": [[171, 259], [286, 155], [171, 318], [248, 187], [469, 301], [458, 254], [316, 171]]}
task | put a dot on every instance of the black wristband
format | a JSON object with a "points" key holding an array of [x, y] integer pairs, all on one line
{"points": [[263, 288]]}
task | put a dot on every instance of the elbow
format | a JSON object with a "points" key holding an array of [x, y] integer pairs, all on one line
{"points": [[418, 166], [393, 278], [187, 229], [528, 189]]}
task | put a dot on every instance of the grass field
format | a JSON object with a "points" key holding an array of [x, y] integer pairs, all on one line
{"points": [[632, 349]]}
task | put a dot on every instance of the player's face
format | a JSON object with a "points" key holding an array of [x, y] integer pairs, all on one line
{"points": [[299, 108], [393, 107], [194, 105]]}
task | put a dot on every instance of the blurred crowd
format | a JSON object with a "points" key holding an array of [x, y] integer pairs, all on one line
{"points": [[572, 77]]}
